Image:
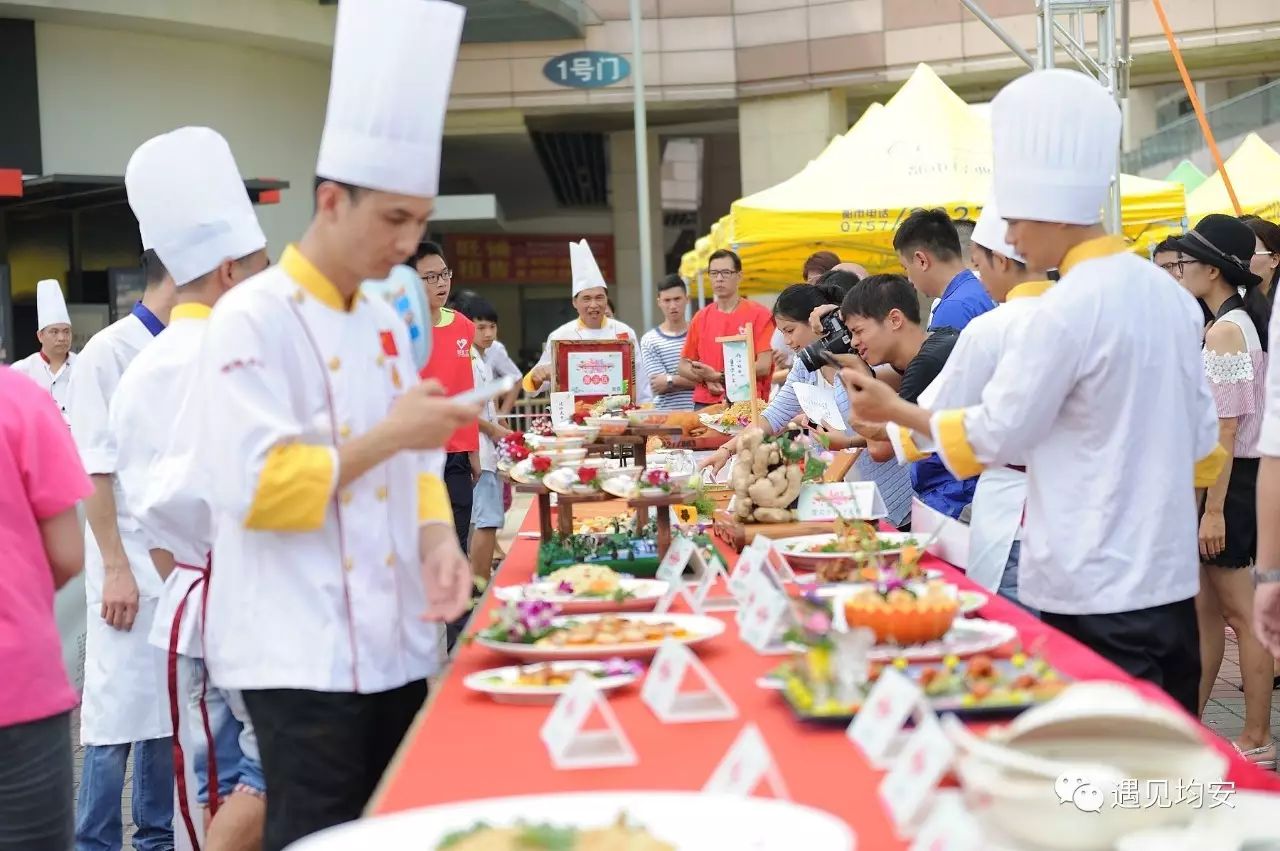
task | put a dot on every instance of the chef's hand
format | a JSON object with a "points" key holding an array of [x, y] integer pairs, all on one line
{"points": [[1266, 615], [539, 374], [446, 573], [119, 596], [1213, 533], [422, 418], [869, 396]]}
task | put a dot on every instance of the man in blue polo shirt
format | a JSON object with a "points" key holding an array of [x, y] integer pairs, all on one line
{"points": [[928, 247]]}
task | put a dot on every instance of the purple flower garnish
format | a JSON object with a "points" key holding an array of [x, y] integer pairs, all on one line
{"points": [[622, 667], [564, 588]]}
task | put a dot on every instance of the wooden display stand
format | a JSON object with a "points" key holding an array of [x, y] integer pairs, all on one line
{"points": [[644, 503], [739, 535]]}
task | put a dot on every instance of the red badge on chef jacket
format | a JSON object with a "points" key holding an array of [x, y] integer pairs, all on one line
{"points": [[388, 344]]}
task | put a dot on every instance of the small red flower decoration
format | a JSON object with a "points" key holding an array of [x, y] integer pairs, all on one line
{"points": [[657, 478], [587, 475], [579, 418], [541, 464]]}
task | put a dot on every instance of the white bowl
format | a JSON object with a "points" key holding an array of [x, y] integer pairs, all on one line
{"points": [[578, 432], [561, 456], [1103, 723]]}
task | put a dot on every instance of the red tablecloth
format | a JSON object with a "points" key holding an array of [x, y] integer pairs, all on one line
{"points": [[464, 746]]}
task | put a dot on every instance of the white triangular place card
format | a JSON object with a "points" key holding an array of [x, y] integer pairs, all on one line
{"points": [[710, 571], [774, 557], [674, 666], [671, 571], [571, 744], [949, 826], [746, 766], [877, 729], [820, 501], [907, 790], [764, 617]]}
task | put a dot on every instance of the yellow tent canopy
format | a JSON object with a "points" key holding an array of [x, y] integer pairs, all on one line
{"points": [[1255, 174], [851, 199]]}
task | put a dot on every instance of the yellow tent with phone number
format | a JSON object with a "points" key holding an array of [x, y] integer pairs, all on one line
{"points": [[925, 147]]}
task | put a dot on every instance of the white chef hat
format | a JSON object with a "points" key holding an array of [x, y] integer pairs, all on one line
{"points": [[1056, 141], [51, 307], [392, 67], [586, 273], [990, 231], [186, 190]]}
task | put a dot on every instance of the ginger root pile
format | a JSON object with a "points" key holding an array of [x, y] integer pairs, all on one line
{"points": [[764, 483]]}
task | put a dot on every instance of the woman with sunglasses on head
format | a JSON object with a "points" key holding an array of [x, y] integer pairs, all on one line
{"points": [[1215, 269], [1266, 252], [791, 313]]}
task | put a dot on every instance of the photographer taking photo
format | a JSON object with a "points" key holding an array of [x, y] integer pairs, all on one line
{"points": [[791, 312]]}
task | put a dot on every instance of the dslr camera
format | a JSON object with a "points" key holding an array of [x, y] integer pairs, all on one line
{"points": [[836, 339]]}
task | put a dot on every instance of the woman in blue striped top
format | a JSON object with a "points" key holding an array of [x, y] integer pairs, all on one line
{"points": [[791, 312]]}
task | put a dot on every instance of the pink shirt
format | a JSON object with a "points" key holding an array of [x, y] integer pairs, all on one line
{"points": [[40, 477]]}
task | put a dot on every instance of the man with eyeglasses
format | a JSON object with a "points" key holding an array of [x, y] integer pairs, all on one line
{"points": [[452, 336], [702, 360]]}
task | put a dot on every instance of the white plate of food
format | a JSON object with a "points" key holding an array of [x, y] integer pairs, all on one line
{"points": [[967, 637], [573, 431], [587, 588], [543, 682], [609, 425], [632, 636], [635, 820], [643, 487]]}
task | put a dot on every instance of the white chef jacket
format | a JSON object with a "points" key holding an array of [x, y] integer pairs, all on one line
{"points": [[482, 373], [612, 329], [1269, 437], [499, 361], [35, 367], [125, 677], [1105, 397], [1000, 497], [313, 588], [154, 446]]}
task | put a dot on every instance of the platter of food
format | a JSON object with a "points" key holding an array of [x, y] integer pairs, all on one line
{"points": [[970, 601], [587, 588], [976, 687], [533, 631], [596, 821], [542, 683], [733, 418], [651, 484], [838, 556]]}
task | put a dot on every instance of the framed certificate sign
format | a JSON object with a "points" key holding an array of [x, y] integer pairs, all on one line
{"points": [[593, 369]]}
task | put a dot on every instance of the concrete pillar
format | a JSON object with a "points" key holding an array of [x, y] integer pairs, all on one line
{"points": [[626, 224], [779, 135], [1139, 116]]}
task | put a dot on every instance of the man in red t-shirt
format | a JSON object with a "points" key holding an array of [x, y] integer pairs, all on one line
{"points": [[452, 335], [702, 360]]}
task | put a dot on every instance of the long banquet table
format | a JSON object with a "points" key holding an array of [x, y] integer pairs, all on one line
{"points": [[464, 746]]}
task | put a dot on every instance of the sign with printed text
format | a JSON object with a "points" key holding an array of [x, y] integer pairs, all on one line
{"points": [[494, 258], [819, 405], [739, 381], [586, 69], [596, 373], [832, 500], [561, 408]]}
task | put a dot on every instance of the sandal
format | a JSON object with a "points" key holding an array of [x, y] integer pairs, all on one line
{"points": [[1263, 757]]}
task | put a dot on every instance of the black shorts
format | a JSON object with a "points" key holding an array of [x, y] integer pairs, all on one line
{"points": [[461, 487], [1240, 511]]}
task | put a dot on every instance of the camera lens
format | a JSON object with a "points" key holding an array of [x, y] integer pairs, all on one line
{"points": [[835, 339]]}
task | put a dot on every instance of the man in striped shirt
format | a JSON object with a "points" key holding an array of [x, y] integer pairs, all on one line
{"points": [[660, 348]]}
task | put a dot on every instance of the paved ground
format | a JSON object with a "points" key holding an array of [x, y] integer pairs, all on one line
{"points": [[1224, 714]]}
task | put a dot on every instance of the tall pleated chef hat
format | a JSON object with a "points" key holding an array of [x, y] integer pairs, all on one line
{"points": [[990, 231], [51, 307], [186, 190], [392, 67], [1056, 142], [586, 273]]}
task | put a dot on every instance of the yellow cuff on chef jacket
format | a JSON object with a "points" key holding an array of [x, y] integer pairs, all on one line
{"points": [[294, 489], [528, 385], [953, 444], [433, 500], [910, 452], [1210, 467]]}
